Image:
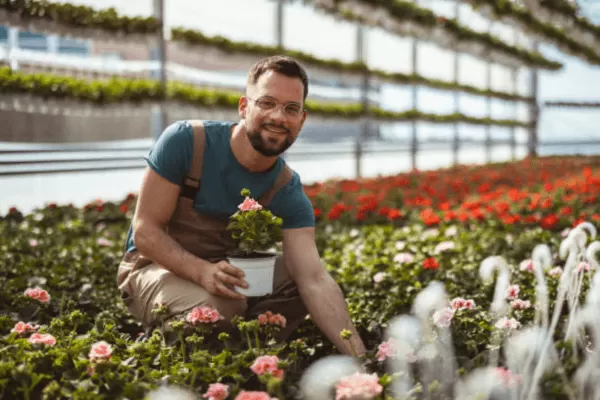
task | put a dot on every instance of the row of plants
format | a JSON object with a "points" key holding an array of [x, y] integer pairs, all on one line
{"points": [[570, 10], [65, 333], [195, 37], [551, 193], [139, 91], [404, 12], [79, 17], [528, 22]]}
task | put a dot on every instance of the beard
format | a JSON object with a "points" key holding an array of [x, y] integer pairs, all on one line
{"points": [[269, 147]]}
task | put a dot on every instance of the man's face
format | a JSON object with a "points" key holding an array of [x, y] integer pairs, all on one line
{"points": [[274, 112]]}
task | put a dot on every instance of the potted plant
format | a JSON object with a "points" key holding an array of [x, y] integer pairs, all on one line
{"points": [[256, 231]]}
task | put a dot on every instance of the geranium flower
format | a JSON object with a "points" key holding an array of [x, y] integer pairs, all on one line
{"points": [[38, 294], [267, 365], [42, 338], [249, 205], [100, 351], [22, 328], [244, 395], [358, 385], [203, 315], [216, 391]]}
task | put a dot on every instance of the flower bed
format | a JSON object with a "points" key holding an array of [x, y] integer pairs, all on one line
{"points": [[64, 332]]}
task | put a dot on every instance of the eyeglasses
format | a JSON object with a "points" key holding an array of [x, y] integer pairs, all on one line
{"points": [[267, 104]]}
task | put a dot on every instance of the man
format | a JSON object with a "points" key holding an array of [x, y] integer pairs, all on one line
{"points": [[175, 253]]}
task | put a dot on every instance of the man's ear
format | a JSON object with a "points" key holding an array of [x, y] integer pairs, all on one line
{"points": [[242, 106]]}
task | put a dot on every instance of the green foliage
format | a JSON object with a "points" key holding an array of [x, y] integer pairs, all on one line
{"points": [[138, 91], [78, 16]]}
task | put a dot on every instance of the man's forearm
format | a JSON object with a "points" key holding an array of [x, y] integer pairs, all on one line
{"points": [[157, 245], [325, 303]]}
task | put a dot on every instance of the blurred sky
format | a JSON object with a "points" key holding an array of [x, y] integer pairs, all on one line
{"points": [[322, 35]]}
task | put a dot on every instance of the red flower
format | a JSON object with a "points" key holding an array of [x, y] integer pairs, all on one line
{"points": [[430, 263]]}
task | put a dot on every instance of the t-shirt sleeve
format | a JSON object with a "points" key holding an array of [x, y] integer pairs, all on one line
{"points": [[293, 206], [171, 155]]}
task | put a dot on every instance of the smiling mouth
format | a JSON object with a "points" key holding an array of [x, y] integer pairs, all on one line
{"points": [[276, 130]]}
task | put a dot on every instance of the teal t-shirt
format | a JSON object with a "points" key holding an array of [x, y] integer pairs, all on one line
{"points": [[223, 177]]}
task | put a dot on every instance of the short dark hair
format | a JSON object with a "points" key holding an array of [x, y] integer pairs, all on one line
{"points": [[284, 65]]}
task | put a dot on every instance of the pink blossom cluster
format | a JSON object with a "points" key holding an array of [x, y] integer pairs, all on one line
{"points": [[527, 265], [358, 385], [244, 395], [512, 292], [42, 338], [458, 303], [555, 272], [267, 365], [249, 205], [508, 323], [519, 304], [272, 319], [37, 293], [508, 377], [203, 315], [100, 351], [22, 328], [216, 391]]}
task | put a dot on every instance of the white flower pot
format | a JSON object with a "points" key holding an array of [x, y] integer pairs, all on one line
{"points": [[259, 271]]}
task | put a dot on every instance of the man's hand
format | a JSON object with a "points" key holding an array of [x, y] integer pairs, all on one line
{"points": [[220, 278]]}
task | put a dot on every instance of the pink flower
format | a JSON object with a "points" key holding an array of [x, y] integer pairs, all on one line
{"points": [[469, 304], [267, 365], [104, 242], [554, 272], [38, 294], [519, 304], [100, 351], [249, 205], [43, 338], [362, 386], [379, 277], [507, 377], [505, 323], [512, 292], [243, 395], [277, 319], [402, 258], [22, 328], [583, 266], [458, 303], [386, 349], [216, 391], [33, 243], [272, 319], [203, 315], [442, 318], [527, 265]]}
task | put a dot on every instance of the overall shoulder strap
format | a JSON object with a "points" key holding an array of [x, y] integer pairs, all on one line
{"points": [[191, 183], [285, 175]]}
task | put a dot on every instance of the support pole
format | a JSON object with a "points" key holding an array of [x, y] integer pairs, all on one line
{"points": [[364, 125], [456, 134], [159, 53], [513, 129], [279, 23], [414, 141], [534, 111], [488, 128]]}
